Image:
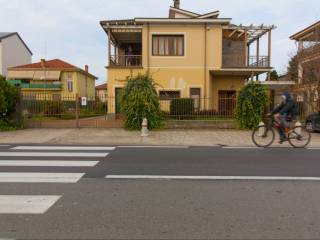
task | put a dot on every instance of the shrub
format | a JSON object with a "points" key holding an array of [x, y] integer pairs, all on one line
{"points": [[139, 100], [182, 108], [9, 97], [252, 102]]}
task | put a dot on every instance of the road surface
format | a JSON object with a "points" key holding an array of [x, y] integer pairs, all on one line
{"points": [[164, 192]]}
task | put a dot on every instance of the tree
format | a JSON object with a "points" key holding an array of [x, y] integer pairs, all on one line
{"points": [[293, 68], [251, 105], [140, 100], [9, 96], [274, 76]]}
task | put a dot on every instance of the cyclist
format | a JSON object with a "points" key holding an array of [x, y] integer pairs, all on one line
{"points": [[283, 113]]}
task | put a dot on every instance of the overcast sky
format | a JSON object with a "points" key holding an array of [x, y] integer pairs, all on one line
{"points": [[72, 31]]}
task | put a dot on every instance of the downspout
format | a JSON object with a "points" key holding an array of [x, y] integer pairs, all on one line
{"points": [[205, 66], [148, 50]]}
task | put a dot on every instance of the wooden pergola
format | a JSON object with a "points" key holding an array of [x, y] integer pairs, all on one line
{"points": [[252, 34]]}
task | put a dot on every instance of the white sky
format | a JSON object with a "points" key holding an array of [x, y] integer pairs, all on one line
{"points": [[72, 31]]}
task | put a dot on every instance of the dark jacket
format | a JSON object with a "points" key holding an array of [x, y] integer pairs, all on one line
{"points": [[288, 108]]}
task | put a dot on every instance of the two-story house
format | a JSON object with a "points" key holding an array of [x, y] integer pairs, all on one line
{"points": [[53, 79], [13, 51], [189, 55]]}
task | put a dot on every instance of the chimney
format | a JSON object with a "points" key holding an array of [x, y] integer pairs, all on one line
{"points": [[176, 3], [86, 68], [43, 63]]}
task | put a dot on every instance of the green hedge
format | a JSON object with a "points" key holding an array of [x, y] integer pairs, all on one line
{"points": [[182, 108]]}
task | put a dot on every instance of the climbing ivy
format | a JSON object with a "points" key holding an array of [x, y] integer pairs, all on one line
{"points": [[252, 102]]}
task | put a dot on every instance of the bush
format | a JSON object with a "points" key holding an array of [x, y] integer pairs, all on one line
{"points": [[9, 97], [139, 100], [182, 108], [252, 102]]}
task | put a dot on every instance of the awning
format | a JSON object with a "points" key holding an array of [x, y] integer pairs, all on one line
{"points": [[20, 74], [47, 75]]}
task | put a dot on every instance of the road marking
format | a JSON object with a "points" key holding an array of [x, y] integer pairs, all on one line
{"points": [[40, 163], [182, 147], [313, 148], [23, 177], [51, 154], [5, 145], [256, 178], [26, 204], [67, 148]]}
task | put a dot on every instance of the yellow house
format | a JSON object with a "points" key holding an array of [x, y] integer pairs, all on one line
{"points": [[54, 79], [189, 55]]}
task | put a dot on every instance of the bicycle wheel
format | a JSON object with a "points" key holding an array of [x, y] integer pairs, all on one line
{"points": [[263, 136], [300, 137]]}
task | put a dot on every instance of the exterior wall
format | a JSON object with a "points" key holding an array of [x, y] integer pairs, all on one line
{"points": [[14, 53], [102, 95], [203, 53], [1, 68], [224, 83], [79, 85], [85, 86]]}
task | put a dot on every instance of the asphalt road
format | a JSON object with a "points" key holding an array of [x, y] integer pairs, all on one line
{"points": [[263, 194]]}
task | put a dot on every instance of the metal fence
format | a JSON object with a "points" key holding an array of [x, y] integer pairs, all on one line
{"points": [[61, 106], [199, 108]]}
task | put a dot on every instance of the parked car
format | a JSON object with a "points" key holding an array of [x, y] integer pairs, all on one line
{"points": [[313, 122]]}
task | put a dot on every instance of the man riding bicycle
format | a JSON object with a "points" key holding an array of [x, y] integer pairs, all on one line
{"points": [[283, 113]]}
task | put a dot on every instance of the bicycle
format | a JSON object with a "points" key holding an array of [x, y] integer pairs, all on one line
{"points": [[264, 136]]}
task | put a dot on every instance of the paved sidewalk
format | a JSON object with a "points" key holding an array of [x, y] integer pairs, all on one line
{"points": [[123, 137]]}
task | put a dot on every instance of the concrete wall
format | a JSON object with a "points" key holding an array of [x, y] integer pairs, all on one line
{"points": [[14, 53]]}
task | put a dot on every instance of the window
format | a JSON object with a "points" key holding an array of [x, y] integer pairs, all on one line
{"points": [[168, 45], [70, 82], [168, 95], [195, 94]]}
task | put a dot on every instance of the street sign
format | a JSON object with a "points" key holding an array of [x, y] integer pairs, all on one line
{"points": [[83, 101]]}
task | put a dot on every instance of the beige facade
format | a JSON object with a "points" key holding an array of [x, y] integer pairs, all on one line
{"points": [[207, 40]]}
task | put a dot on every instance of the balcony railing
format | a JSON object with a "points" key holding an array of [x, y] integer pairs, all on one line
{"points": [[261, 61], [19, 84], [126, 60]]}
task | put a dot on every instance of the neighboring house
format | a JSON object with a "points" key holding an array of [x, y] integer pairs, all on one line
{"points": [[102, 92], [55, 79], [189, 55], [13, 51], [308, 61], [308, 41]]}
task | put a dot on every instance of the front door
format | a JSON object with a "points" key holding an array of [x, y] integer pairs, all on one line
{"points": [[227, 102]]}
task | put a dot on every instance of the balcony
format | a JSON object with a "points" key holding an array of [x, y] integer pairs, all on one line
{"points": [[126, 61], [239, 61], [259, 62], [19, 84]]}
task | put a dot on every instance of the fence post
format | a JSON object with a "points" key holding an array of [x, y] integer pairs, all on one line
{"points": [[77, 110]]}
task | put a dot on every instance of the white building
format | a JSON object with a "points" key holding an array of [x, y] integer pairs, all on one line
{"points": [[13, 51]]}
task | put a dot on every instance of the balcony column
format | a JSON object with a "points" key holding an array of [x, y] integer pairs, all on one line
{"points": [[109, 46], [269, 53], [258, 57]]}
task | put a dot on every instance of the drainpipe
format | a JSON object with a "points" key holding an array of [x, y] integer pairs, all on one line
{"points": [[86, 67], [205, 65]]}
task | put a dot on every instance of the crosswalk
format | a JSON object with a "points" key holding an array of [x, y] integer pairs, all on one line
{"points": [[63, 158]]}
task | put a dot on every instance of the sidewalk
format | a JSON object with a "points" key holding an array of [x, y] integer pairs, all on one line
{"points": [[122, 137]]}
